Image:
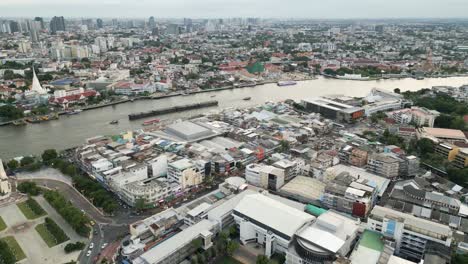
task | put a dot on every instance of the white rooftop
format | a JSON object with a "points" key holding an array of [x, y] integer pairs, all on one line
{"points": [[278, 216], [166, 248]]}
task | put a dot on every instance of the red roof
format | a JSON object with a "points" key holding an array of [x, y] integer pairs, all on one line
{"points": [[74, 97]]}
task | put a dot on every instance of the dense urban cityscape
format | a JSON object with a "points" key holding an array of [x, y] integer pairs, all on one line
{"points": [[233, 140]]}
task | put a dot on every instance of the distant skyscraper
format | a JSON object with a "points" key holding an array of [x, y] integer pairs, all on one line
{"points": [[14, 27], [99, 23], [33, 28], [57, 24], [41, 22], [172, 29], [379, 29], [151, 22]]}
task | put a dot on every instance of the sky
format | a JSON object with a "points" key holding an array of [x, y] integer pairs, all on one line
{"points": [[313, 9]]}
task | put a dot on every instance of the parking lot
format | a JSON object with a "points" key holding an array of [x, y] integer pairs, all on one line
{"points": [[34, 247]]}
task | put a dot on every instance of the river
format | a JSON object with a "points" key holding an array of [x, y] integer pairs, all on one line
{"points": [[71, 131]]}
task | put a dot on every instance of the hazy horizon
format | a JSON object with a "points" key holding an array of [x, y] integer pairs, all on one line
{"points": [[301, 9]]}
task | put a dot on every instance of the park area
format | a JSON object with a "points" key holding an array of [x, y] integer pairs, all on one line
{"points": [[36, 233]]}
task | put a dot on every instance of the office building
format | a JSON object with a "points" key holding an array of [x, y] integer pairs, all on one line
{"points": [[185, 172], [264, 176], [411, 234], [41, 22], [332, 109], [151, 22], [384, 164], [57, 24], [99, 23], [419, 116]]}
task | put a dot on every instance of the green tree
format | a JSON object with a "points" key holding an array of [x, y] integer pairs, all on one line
{"points": [[262, 259], [48, 155], [28, 160], [460, 259], [396, 90], [6, 255], [232, 246], [140, 204], [425, 146], [197, 243], [201, 258], [29, 187], [194, 259], [10, 112], [284, 146], [13, 164]]}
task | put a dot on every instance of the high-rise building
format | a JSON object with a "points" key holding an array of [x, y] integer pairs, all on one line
{"points": [[57, 24], [151, 22], [14, 27], [99, 23], [33, 27], [41, 22]]}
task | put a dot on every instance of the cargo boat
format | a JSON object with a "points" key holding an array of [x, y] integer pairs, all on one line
{"points": [[20, 122], [286, 83], [247, 98], [74, 112], [151, 122]]}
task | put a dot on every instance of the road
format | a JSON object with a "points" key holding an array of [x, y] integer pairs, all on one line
{"points": [[75, 197], [106, 230]]}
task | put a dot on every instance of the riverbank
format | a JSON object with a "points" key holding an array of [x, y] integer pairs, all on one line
{"points": [[160, 97], [75, 129]]}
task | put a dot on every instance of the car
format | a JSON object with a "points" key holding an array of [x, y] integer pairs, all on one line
{"points": [[91, 245], [104, 245], [91, 222], [88, 253]]}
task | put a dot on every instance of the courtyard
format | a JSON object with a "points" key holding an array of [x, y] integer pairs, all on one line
{"points": [[23, 230]]}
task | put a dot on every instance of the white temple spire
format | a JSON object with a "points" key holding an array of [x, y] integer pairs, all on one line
{"points": [[36, 85]]}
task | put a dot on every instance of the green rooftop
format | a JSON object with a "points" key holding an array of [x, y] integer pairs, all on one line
{"points": [[314, 210], [372, 240]]}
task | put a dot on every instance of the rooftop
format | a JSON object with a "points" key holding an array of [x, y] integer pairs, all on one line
{"points": [[161, 251], [274, 214]]}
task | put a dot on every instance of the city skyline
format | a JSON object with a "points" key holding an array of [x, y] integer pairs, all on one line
{"points": [[310, 9]]}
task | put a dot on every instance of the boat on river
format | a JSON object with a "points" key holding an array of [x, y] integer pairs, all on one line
{"points": [[286, 83], [151, 122]]}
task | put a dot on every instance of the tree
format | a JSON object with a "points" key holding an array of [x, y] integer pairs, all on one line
{"points": [[28, 160], [29, 188], [329, 72], [6, 254], [197, 243], [13, 164], [460, 259], [201, 258], [284, 146], [194, 259], [70, 170], [48, 155], [425, 146], [140, 204], [262, 259], [396, 90], [10, 112], [232, 246], [233, 231]]}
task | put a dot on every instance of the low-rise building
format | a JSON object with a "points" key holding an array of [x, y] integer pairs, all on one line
{"points": [[265, 176], [411, 234], [384, 164]]}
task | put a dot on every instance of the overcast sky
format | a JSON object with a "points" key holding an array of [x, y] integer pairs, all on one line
{"points": [[238, 8]]}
